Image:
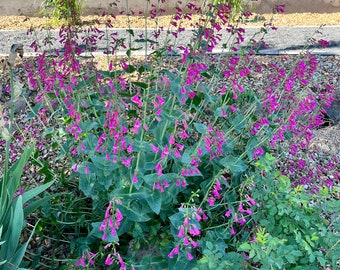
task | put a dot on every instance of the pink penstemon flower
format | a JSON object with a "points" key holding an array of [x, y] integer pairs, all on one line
{"points": [[134, 178], [174, 251], [165, 152], [180, 232], [189, 256], [109, 260], [136, 99], [154, 148], [86, 258], [136, 126], [279, 8], [127, 161], [250, 200], [75, 168], [228, 213], [232, 232], [159, 169]]}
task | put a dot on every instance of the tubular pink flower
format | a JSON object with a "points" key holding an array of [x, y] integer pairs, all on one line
{"points": [[165, 152], [193, 230], [165, 80], [158, 168], [119, 216], [137, 100], [154, 148], [232, 108], [112, 226], [249, 212], [126, 161], [90, 256], [165, 183], [75, 168], [228, 213], [129, 149], [198, 217], [191, 95], [211, 201], [108, 210], [242, 221], [136, 126], [186, 222], [134, 178], [180, 232], [189, 256], [122, 82], [194, 244], [121, 262], [161, 101], [251, 200], [81, 261], [280, 8], [109, 260], [258, 152], [173, 252], [159, 112], [171, 139]]}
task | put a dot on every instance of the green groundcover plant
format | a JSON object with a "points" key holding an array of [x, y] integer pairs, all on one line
{"points": [[175, 154]]}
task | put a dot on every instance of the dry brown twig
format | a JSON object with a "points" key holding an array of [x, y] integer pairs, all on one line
{"points": [[16, 49]]}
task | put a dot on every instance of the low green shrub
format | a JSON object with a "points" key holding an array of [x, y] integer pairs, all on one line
{"points": [[63, 11]]}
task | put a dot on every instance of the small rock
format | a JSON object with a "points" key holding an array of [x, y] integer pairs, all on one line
{"points": [[19, 105], [333, 112]]}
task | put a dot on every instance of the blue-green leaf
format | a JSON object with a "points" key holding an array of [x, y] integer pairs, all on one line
{"points": [[19, 255], [136, 211], [201, 128], [234, 164], [30, 194], [16, 225], [155, 201]]}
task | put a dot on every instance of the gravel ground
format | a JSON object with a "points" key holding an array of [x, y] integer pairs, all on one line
{"points": [[294, 19], [282, 39]]}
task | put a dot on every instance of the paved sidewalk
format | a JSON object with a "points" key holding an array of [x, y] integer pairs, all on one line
{"points": [[289, 40]]}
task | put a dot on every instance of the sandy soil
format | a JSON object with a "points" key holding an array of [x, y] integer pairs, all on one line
{"points": [[295, 19]]}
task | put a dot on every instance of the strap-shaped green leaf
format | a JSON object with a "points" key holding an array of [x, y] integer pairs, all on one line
{"points": [[16, 170], [12, 235], [19, 254], [28, 195]]}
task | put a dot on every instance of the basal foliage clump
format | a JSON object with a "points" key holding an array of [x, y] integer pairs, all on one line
{"points": [[176, 151]]}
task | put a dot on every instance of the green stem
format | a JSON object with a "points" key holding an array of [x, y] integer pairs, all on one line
{"points": [[4, 198], [8, 140]]}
